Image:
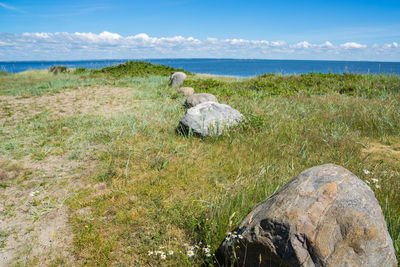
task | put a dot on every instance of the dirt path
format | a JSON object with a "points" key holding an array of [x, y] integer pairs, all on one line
{"points": [[34, 227]]}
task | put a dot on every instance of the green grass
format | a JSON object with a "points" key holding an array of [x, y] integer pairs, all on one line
{"points": [[164, 189], [138, 69]]}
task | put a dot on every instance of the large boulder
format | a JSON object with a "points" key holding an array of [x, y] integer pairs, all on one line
{"points": [[186, 91], [177, 78], [196, 99], [210, 118], [325, 216]]}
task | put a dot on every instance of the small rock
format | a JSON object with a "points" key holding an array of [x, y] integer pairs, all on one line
{"points": [[84, 211], [58, 69], [100, 186], [210, 118], [177, 78], [186, 91], [325, 216], [3, 175], [196, 99]]}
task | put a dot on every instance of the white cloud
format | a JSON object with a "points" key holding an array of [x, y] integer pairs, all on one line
{"points": [[327, 44], [79, 45], [353, 45], [8, 7], [12, 8], [303, 44]]}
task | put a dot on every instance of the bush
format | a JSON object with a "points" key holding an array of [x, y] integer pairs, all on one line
{"points": [[138, 68]]}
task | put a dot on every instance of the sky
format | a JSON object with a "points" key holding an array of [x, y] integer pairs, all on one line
{"points": [[119, 29]]}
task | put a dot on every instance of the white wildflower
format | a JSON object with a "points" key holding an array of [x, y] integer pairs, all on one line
{"points": [[377, 186], [190, 253], [149, 253], [367, 182], [206, 250], [208, 255], [171, 252], [240, 236], [163, 256], [367, 172], [374, 180]]}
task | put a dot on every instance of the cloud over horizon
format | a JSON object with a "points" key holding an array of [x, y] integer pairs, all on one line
{"points": [[108, 45]]}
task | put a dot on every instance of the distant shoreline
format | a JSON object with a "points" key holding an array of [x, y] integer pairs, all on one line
{"points": [[222, 59], [226, 67]]}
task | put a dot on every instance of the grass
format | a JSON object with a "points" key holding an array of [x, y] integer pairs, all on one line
{"points": [[164, 189], [137, 69]]}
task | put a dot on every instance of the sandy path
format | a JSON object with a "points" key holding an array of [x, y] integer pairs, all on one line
{"points": [[34, 225]]}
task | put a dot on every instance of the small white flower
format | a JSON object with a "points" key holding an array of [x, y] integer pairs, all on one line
{"points": [[234, 236], [160, 247], [186, 245], [367, 182], [206, 250], [190, 248], [367, 172], [170, 252], [190, 253], [149, 253], [374, 180], [163, 256], [377, 186], [240, 237], [34, 193], [208, 255]]}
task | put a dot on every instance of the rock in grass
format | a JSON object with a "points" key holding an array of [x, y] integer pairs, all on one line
{"points": [[210, 118], [177, 78], [186, 91], [325, 216], [58, 69], [196, 99]]}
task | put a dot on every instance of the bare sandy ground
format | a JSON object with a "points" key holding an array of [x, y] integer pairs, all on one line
{"points": [[34, 228]]}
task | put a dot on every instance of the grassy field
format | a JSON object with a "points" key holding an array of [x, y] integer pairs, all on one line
{"points": [[92, 171]]}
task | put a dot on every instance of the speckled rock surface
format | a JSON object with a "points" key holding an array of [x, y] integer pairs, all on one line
{"points": [[210, 118], [177, 78], [325, 216], [186, 91], [196, 99]]}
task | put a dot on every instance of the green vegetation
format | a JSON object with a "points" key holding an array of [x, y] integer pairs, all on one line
{"points": [[138, 69], [148, 187], [305, 84]]}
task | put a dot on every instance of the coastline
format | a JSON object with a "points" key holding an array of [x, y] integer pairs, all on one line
{"points": [[227, 67]]}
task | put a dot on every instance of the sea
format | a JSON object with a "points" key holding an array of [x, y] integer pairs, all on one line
{"points": [[228, 67]]}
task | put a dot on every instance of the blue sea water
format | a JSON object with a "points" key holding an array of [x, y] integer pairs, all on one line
{"points": [[231, 67]]}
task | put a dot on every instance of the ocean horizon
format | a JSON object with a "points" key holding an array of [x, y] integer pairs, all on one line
{"points": [[223, 66]]}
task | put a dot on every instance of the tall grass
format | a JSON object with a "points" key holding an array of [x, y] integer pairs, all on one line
{"points": [[164, 189]]}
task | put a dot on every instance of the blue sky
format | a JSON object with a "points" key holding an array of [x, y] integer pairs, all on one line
{"points": [[342, 30]]}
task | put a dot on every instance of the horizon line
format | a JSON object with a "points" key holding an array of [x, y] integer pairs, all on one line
{"points": [[191, 58]]}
